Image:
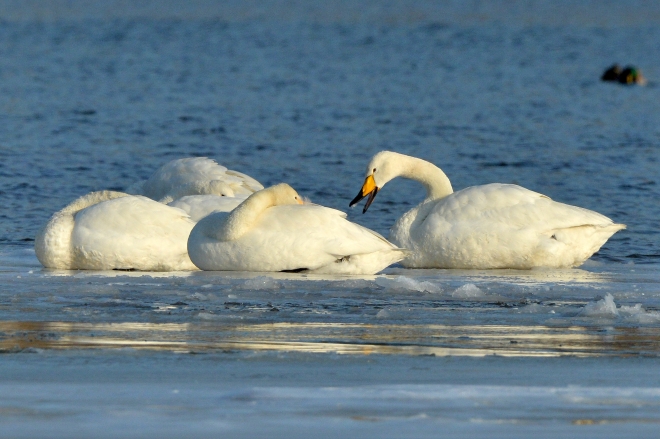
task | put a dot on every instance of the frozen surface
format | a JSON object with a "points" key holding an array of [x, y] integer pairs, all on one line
{"points": [[98, 94], [239, 394], [498, 353]]}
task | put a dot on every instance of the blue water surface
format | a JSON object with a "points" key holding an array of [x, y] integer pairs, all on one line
{"points": [[97, 94], [88, 103]]}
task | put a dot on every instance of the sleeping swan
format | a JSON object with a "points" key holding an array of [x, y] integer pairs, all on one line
{"points": [[490, 226], [194, 176], [111, 230], [274, 231]]}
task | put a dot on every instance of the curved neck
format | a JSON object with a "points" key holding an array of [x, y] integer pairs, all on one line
{"points": [[435, 181], [90, 199], [243, 218]]}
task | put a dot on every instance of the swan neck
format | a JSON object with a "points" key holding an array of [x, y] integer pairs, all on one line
{"points": [[435, 181], [242, 219]]}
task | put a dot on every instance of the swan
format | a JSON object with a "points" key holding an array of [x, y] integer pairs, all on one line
{"points": [[194, 176], [272, 230], [490, 226], [108, 230]]}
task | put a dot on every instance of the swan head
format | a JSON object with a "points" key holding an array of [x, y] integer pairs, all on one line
{"points": [[281, 194], [382, 168], [219, 187]]}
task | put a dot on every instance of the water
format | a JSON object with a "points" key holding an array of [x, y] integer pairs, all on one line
{"points": [[98, 97]]}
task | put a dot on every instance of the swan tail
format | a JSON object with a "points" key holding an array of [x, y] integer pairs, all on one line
{"points": [[581, 242], [366, 263]]}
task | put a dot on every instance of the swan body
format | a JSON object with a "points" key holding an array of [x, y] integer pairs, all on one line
{"points": [[194, 176], [199, 206], [489, 226], [272, 231], [111, 230]]}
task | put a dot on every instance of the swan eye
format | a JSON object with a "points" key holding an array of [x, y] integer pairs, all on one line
{"points": [[374, 170]]}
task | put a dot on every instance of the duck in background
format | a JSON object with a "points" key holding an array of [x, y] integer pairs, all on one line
{"points": [[628, 75], [482, 227]]}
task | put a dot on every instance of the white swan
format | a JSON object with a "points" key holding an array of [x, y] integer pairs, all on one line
{"points": [[111, 230], [272, 231], [489, 226], [194, 176]]}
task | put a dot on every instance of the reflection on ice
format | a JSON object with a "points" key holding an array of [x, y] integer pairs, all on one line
{"points": [[604, 310], [340, 338], [536, 275], [403, 283], [261, 283]]}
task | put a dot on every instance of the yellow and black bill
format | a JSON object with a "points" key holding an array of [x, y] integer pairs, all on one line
{"points": [[370, 189]]}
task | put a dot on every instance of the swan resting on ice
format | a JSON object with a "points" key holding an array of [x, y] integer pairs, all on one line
{"points": [[194, 176], [272, 230], [480, 227], [109, 230]]}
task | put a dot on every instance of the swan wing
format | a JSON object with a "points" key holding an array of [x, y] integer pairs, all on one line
{"points": [[515, 206]]}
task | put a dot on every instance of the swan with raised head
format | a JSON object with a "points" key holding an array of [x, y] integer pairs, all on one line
{"points": [[272, 230], [194, 176], [108, 230], [490, 226]]}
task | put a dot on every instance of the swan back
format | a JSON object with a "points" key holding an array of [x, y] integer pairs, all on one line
{"points": [[500, 226]]}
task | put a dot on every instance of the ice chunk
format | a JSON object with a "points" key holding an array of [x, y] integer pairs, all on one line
{"points": [[200, 296], [467, 291], [604, 307], [533, 308], [383, 314], [208, 316], [355, 284], [638, 314], [261, 283], [403, 283]]}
